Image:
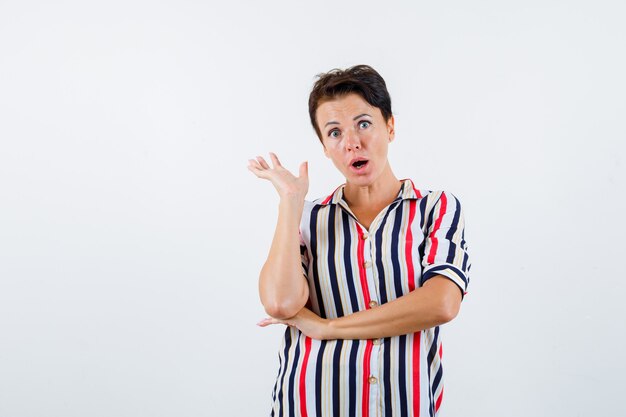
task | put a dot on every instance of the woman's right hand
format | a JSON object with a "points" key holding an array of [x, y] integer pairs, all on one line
{"points": [[287, 184]]}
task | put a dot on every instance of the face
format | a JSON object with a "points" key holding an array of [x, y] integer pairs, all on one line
{"points": [[355, 137]]}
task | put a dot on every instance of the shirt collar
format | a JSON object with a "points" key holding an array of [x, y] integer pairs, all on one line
{"points": [[408, 191]]}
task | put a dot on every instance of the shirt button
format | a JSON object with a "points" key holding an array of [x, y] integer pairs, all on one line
{"points": [[376, 341], [373, 380], [367, 264], [373, 304], [364, 235]]}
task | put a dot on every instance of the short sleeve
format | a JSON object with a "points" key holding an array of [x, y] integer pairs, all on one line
{"points": [[304, 257], [445, 249]]}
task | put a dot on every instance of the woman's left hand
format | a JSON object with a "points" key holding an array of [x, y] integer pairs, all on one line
{"points": [[306, 321]]}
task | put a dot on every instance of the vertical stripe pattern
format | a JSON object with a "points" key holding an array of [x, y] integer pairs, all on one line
{"points": [[350, 268]]}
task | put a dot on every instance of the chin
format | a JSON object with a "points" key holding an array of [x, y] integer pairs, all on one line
{"points": [[360, 180]]}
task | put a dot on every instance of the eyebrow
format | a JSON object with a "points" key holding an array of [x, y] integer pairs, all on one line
{"points": [[354, 118]]}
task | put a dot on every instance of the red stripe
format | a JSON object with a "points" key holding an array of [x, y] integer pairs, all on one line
{"points": [[369, 344], [408, 254], [408, 247], [438, 403], [433, 247], [307, 351], [365, 407], [417, 336], [327, 199], [417, 193]]}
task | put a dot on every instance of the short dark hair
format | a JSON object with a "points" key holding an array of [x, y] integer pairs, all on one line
{"points": [[360, 79]]}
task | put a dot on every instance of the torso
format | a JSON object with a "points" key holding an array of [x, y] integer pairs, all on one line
{"points": [[350, 269]]}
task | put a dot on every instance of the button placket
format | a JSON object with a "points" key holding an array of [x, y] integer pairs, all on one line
{"points": [[374, 378], [368, 264]]}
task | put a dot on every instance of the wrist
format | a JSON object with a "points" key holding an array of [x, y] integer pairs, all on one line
{"points": [[292, 199], [330, 329], [292, 204]]}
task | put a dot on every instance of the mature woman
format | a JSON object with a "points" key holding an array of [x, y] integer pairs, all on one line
{"points": [[365, 276]]}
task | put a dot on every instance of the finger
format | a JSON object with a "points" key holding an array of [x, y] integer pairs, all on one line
{"points": [[269, 320], [275, 160], [262, 162], [254, 166], [258, 171], [304, 169]]}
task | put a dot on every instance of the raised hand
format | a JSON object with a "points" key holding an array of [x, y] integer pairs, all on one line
{"points": [[287, 184]]}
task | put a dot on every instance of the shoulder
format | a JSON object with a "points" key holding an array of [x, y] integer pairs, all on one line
{"points": [[310, 204], [425, 196], [442, 196], [440, 202]]}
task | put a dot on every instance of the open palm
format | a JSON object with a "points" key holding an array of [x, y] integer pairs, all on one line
{"points": [[287, 184]]}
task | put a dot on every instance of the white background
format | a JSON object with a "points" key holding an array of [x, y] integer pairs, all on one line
{"points": [[132, 234]]}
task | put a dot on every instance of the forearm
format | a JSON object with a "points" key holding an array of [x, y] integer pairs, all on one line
{"points": [[282, 287], [436, 303]]}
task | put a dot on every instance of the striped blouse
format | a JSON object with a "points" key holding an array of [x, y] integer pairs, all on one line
{"points": [[349, 268]]}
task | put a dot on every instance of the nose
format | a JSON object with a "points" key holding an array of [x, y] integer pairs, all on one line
{"points": [[352, 141]]}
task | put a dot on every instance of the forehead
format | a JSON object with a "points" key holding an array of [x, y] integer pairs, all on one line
{"points": [[344, 107]]}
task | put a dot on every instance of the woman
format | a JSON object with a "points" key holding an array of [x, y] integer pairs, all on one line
{"points": [[376, 267]]}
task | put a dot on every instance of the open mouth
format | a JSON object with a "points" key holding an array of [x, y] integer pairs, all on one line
{"points": [[359, 164]]}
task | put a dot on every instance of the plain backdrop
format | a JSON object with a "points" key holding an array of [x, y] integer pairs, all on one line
{"points": [[132, 233]]}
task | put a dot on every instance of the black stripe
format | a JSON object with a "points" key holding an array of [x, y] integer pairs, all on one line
{"points": [[337, 378], [421, 247], [348, 265], [426, 227], [280, 368], [438, 376], [318, 379], [465, 267], [303, 259], [292, 377], [433, 348], [433, 271], [431, 357], [434, 352], [332, 271], [382, 288], [352, 379], [395, 251], [316, 278], [451, 231], [422, 208], [431, 402], [284, 370], [402, 375]]}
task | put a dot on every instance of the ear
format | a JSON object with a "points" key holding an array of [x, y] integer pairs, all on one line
{"points": [[391, 129]]}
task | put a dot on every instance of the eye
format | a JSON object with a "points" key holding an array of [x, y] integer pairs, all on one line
{"points": [[334, 133], [364, 124]]}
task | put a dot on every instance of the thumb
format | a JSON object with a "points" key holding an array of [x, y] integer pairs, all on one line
{"points": [[304, 169]]}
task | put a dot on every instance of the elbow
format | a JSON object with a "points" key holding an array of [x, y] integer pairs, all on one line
{"points": [[282, 310], [448, 310], [281, 301]]}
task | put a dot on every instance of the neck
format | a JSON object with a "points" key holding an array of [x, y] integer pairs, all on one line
{"points": [[380, 193]]}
